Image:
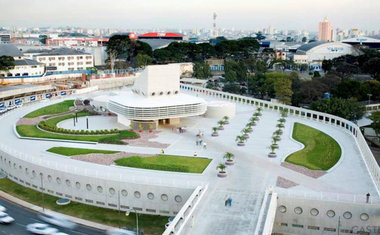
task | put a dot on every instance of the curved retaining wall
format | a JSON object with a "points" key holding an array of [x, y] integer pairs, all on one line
{"points": [[345, 125], [102, 186]]}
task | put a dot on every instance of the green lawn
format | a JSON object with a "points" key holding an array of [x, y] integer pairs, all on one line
{"points": [[77, 151], [152, 224], [33, 131], [166, 163], [61, 107], [321, 152]]}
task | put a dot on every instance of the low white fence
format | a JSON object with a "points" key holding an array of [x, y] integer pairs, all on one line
{"points": [[372, 107], [183, 218], [342, 123]]}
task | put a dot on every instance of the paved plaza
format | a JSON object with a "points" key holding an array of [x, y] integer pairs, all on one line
{"points": [[247, 180]]}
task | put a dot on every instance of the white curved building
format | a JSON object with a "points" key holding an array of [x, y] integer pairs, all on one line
{"points": [[155, 97], [316, 52]]}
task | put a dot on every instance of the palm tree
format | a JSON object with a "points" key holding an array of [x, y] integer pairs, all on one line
{"points": [[245, 132], [259, 109], [214, 131], [226, 118], [229, 156], [278, 132], [276, 138], [221, 167], [273, 148], [280, 125], [281, 120], [284, 113], [221, 123], [240, 139], [249, 127]]}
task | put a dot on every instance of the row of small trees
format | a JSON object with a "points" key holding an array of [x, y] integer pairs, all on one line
{"points": [[221, 123], [222, 166], [241, 139], [276, 137]]}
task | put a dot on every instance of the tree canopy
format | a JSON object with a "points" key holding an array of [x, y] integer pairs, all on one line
{"points": [[346, 108], [6, 63]]}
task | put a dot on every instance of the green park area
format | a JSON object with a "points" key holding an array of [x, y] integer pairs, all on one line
{"points": [[61, 107], [66, 151], [34, 131], [151, 224], [166, 163], [321, 152]]}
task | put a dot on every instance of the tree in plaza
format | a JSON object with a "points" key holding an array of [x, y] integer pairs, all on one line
{"points": [[346, 108], [372, 66], [327, 65], [283, 89], [201, 70], [143, 60], [375, 117]]}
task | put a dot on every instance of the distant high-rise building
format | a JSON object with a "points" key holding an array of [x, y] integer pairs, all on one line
{"points": [[325, 31]]}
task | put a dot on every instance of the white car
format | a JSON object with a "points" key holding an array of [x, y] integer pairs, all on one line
{"points": [[58, 220], [2, 208], [38, 228], [5, 218], [119, 231]]}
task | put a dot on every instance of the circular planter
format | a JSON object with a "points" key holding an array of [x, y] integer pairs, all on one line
{"points": [[226, 122], [230, 163], [63, 201], [220, 128], [275, 145], [222, 174], [250, 129], [272, 155], [215, 134], [240, 143], [246, 136]]}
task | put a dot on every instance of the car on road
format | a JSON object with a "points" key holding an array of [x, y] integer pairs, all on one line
{"points": [[5, 218], [2, 208], [58, 220], [119, 231], [39, 228]]}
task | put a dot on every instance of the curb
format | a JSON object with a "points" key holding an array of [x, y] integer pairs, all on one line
{"points": [[39, 210]]}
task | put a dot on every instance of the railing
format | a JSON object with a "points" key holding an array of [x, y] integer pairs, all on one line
{"points": [[184, 215], [343, 124], [326, 196], [267, 213], [372, 107]]}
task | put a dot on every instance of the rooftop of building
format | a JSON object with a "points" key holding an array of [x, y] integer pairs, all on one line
{"points": [[58, 51], [26, 62], [9, 50]]}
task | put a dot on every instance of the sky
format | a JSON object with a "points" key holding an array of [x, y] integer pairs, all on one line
{"points": [[189, 14]]}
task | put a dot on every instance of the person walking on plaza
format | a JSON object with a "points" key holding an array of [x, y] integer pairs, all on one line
{"points": [[204, 145], [226, 201], [229, 201]]}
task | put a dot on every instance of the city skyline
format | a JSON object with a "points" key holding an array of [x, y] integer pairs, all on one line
{"points": [[244, 15]]}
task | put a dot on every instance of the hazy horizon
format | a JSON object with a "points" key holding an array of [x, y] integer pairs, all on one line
{"points": [[181, 14]]}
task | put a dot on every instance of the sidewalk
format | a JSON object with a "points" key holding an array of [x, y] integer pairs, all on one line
{"points": [[39, 210]]}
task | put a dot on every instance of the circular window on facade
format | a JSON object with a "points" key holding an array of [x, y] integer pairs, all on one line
{"points": [[20, 167], [88, 187], [178, 198], [58, 180], [150, 196], [169, 93], [298, 210], [347, 215], [27, 171], [176, 92], [112, 191], [282, 209], [124, 193], [364, 216], [153, 93], [77, 185], [314, 212], [164, 197], [330, 213], [137, 194], [50, 178], [14, 165], [100, 189], [34, 174], [68, 183], [161, 93]]}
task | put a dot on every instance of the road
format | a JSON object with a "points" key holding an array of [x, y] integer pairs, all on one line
{"points": [[23, 217]]}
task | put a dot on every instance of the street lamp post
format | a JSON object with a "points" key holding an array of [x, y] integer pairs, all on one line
{"points": [[369, 98], [137, 219]]}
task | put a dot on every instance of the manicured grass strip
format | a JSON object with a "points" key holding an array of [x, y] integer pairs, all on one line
{"points": [[321, 152], [61, 107], [166, 163], [152, 224], [33, 131], [77, 151]]}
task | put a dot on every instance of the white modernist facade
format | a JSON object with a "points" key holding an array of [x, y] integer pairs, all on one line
{"points": [[316, 52], [156, 96]]}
